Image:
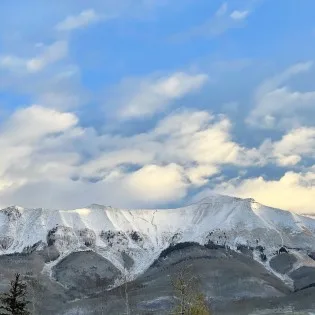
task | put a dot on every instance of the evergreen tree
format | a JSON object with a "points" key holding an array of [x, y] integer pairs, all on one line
{"points": [[14, 302]]}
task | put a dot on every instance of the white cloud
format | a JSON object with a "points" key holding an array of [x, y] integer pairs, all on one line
{"points": [[293, 191], [277, 80], [50, 54], [221, 21], [148, 96], [291, 149], [34, 139], [278, 106], [109, 160], [59, 87], [295, 144], [47, 146], [239, 15], [55, 52], [184, 123], [104, 10], [32, 123], [200, 174], [51, 161], [288, 160], [81, 20], [158, 184], [208, 143], [198, 138], [197, 141]]}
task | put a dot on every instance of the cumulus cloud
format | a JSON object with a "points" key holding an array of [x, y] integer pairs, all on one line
{"points": [[200, 174], [293, 191], [292, 148], [81, 20], [158, 184], [34, 122], [294, 145], [52, 161], [184, 150], [196, 140], [276, 105], [33, 140], [144, 97]]}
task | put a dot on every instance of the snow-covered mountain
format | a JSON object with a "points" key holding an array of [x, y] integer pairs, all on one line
{"points": [[143, 234]]}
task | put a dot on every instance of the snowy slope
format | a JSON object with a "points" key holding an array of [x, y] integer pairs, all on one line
{"points": [[143, 234]]}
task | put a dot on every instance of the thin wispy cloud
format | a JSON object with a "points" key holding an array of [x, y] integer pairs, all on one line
{"points": [[147, 96], [277, 105], [81, 20], [239, 15], [222, 20], [49, 55]]}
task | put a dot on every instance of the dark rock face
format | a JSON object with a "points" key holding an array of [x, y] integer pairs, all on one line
{"points": [[12, 213], [246, 251], [112, 238], [303, 277], [33, 248], [136, 237], [311, 255], [282, 263], [87, 237], [6, 242], [211, 245], [85, 271], [61, 234], [283, 250], [263, 257], [260, 248], [66, 236], [177, 247], [175, 238]]}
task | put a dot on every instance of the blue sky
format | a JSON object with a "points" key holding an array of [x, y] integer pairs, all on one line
{"points": [[149, 103]]}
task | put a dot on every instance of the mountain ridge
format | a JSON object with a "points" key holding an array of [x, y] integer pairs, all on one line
{"points": [[142, 234]]}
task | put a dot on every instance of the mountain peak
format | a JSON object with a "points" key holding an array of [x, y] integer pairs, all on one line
{"points": [[213, 197]]}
